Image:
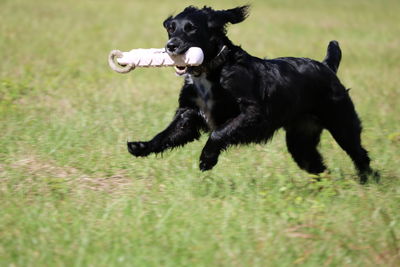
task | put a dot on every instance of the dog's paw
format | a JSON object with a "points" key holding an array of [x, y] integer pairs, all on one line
{"points": [[207, 162], [138, 149], [375, 175]]}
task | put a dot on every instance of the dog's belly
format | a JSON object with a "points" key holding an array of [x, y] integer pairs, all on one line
{"points": [[204, 99]]}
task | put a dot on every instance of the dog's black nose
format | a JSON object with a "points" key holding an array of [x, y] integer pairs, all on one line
{"points": [[171, 47]]}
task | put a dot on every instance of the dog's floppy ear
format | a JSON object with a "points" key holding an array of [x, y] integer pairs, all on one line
{"points": [[219, 18], [165, 23]]}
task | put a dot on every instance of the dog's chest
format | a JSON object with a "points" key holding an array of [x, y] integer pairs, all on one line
{"points": [[204, 99]]}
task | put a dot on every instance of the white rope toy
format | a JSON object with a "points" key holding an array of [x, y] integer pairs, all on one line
{"points": [[154, 57]]}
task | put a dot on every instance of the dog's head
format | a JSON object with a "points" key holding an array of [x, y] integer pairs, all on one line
{"points": [[195, 27]]}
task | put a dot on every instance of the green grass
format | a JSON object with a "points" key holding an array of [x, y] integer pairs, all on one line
{"points": [[71, 195]]}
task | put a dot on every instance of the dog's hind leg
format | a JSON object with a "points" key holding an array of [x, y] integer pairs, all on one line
{"points": [[302, 139], [184, 128], [345, 127]]}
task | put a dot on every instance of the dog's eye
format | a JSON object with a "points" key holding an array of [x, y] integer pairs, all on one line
{"points": [[189, 27], [171, 28]]}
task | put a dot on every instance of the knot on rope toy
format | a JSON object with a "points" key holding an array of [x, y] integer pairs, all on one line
{"points": [[115, 65]]}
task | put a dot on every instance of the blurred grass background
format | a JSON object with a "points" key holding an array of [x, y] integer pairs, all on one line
{"points": [[70, 194]]}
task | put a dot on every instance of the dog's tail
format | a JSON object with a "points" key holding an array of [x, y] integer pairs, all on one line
{"points": [[333, 56]]}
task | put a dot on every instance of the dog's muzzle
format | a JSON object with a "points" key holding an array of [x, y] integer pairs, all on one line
{"points": [[175, 47]]}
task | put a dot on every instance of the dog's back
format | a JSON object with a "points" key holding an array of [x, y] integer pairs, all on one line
{"points": [[294, 86]]}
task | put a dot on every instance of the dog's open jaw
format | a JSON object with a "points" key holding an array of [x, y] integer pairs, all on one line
{"points": [[180, 70]]}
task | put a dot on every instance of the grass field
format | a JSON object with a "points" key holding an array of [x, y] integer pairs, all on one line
{"points": [[71, 195]]}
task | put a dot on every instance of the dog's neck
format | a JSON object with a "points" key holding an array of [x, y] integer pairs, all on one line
{"points": [[219, 59], [213, 64]]}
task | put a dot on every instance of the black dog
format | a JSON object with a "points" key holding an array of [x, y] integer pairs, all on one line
{"points": [[243, 99]]}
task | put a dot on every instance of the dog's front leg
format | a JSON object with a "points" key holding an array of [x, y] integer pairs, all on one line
{"points": [[249, 126], [184, 128]]}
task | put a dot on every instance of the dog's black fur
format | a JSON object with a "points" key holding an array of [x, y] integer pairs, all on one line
{"points": [[242, 99]]}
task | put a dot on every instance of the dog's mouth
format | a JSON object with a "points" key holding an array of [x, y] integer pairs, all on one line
{"points": [[180, 70]]}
